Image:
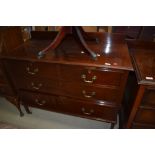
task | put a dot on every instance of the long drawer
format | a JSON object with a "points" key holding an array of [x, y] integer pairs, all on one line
{"points": [[65, 73], [70, 106], [90, 75]]}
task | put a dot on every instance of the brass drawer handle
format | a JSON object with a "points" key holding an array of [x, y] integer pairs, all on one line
{"points": [[36, 87], [91, 111], [84, 77], [33, 72], [88, 96], [43, 102]]}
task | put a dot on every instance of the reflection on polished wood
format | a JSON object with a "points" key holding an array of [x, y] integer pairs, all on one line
{"points": [[67, 79], [75, 31], [112, 51]]}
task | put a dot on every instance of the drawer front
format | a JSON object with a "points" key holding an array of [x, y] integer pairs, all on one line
{"points": [[89, 109], [149, 97], [145, 116], [90, 75], [70, 106], [38, 100], [38, 84], [32, 69], [90, 92]]}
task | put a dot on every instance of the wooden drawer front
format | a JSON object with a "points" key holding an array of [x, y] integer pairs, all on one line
{"points": [[145, 116], [38, 84], [90, 75], [39, 100], [6, 90], [69, 106], [88, 109], [149, 97], [90, 92], [30, 69]]}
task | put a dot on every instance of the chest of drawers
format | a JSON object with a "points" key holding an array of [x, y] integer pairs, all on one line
{"points": [[67, 80], [142, 114]]}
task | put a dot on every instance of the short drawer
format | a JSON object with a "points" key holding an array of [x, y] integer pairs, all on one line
{"points": [[89, 109], [38, 84], [145, 116], [31, 69], [90, 92], [38, 100], [90, 75]]}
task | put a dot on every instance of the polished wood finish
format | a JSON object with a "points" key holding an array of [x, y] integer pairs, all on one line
{"points": [[143, 109], [67, 79], [75, 31], [112, 51], [65, 105]]}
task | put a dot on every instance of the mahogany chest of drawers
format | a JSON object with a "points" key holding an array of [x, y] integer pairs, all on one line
{"points": [[67, 80], [142, 114]]}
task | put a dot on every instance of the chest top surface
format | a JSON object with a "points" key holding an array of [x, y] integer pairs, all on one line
{"points": [[143, 56], [112, 51]]}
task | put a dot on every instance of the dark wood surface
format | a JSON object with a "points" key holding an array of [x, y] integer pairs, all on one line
{"points": [[143, 56], [67, 79], [112, 49], [87, 109], [142, 114]]}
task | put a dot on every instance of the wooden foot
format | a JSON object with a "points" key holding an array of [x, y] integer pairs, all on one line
{"points": [[21, 114], [16, 102], [112, 126], [27, 109], [19, 108]]}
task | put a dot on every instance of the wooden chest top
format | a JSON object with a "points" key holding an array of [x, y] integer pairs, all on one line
{"points": [[112, 51], [143, 54]]}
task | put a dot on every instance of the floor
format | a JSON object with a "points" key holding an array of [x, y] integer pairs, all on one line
{"points": [[41, 119]]}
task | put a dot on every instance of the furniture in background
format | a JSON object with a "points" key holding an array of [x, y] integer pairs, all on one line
{"points": [[67, 80], [140, 99], [131, 32], [10, 38], [146, 33]]}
